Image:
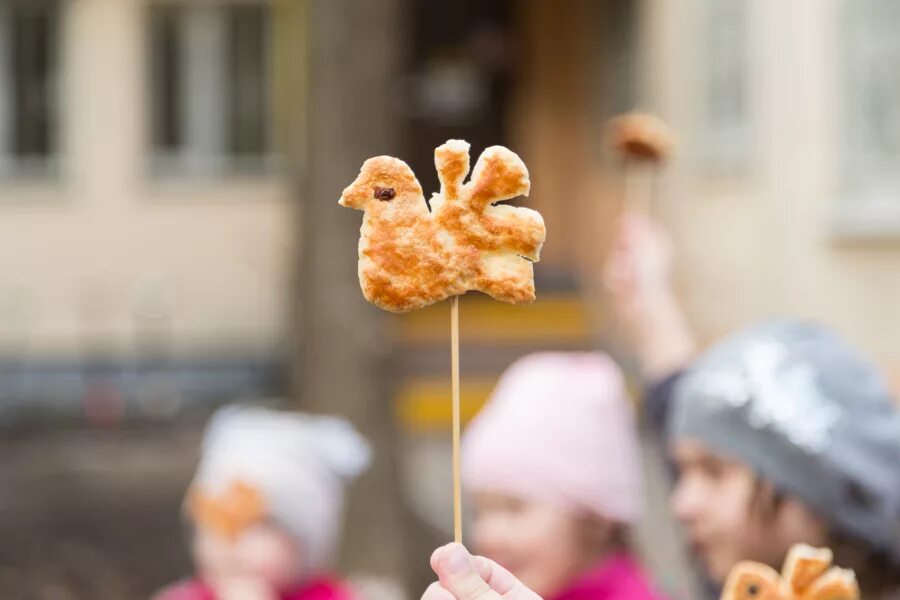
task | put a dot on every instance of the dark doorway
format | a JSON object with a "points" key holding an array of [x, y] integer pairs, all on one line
{"points": [[460, 78]]}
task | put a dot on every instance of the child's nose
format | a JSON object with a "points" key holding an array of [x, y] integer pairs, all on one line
{"points": [[686, 501]]}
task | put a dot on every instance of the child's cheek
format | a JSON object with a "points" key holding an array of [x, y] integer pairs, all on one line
{"points": [[496, 534]]}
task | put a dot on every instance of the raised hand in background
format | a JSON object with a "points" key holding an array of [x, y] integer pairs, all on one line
{"points": [[638, 279]]}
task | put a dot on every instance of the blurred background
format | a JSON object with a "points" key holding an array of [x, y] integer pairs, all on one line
{"points": [[170, 238]]}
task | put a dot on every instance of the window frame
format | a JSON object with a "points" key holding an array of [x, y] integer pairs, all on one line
{"points": [[722, 152], [868, 203], [174, 166], [35, 167]]}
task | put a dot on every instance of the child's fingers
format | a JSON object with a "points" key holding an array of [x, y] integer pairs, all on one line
{"points": [[436, 591], [485, 568], [502, 581], [475, 578], [456, 571]]}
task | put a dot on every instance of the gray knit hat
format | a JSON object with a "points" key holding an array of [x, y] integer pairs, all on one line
{"points": [[803, 409]]}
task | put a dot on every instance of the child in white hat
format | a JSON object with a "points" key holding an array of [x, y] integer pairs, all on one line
{"points": [[267, 504]]}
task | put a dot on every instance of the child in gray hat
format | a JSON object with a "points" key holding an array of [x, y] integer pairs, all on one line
{"points": [[780, 434], [783, 434]]}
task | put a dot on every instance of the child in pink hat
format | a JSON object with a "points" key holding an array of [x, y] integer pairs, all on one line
{"points": [[553, 467]]}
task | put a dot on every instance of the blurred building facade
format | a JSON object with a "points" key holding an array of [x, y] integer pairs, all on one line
{"points": [[784, 196], [148, 218], [147, 231]]}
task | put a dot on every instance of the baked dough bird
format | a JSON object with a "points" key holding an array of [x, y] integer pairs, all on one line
{"points": [[807, 575], [412, 255]]}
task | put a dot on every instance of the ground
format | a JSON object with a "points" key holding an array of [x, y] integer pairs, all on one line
{"points": [[93, 515]]}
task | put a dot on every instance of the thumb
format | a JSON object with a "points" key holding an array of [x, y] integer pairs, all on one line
{"points": [[476, 578], [458, 574]]}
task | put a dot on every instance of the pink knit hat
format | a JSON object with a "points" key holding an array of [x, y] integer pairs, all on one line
{"points": [[558, 428]]}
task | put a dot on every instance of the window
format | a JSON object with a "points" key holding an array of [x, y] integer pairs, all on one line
{"points": [[617, 47], [871, 127], [29, 43], [724, 123], [211, 88]]}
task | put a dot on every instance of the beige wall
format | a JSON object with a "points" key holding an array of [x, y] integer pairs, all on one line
{"points": [[83, 255], [764, 243], [549, 114]]}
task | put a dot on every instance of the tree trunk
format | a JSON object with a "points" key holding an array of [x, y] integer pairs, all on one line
{"points": [[343, 349]]}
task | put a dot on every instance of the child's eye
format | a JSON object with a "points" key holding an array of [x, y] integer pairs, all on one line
{"points": [[514, 507], [713, 470]]}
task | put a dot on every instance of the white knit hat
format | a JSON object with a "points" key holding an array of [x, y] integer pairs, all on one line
{"points": [[298, 463]]}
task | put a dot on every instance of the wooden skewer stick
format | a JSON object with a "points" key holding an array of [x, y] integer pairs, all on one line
{"points": [[641, 181], [454, 361], [655, 189], [644, 142], [633, 202]]}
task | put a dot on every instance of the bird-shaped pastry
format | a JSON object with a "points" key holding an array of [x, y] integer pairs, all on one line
{"points": [[753, 581], [411, 256], [807, 575]]}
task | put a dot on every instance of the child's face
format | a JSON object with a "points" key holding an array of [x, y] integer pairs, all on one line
{"points": [[263, 554], [714, 500], [541, 544]]}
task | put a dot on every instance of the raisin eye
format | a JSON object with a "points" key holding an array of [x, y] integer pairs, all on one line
{"points": [[384, 193], [753, 589]]}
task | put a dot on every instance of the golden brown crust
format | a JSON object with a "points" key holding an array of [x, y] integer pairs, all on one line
{"points": [[753, 581], [641, 137], [806, 576], [410, 257], [453, 165], [805, 564], [381, 171], [835, 584]]}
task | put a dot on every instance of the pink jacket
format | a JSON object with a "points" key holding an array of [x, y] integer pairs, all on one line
{"points": [[616, 578], [318, 589]]}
